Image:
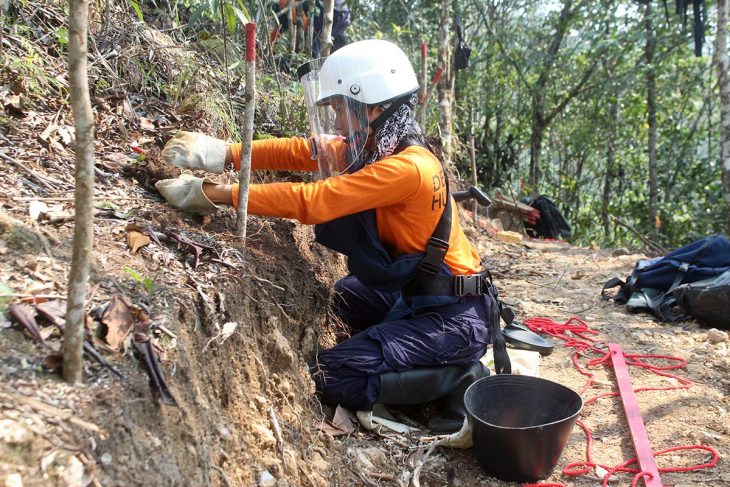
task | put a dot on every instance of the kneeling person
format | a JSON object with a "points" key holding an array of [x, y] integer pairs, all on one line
{"points": [[416, 291]]}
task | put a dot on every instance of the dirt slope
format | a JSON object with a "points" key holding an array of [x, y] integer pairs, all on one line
{"points": [[246, 413]]}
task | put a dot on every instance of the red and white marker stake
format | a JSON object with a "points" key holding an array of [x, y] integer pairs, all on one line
{"points": [[250, 97]]}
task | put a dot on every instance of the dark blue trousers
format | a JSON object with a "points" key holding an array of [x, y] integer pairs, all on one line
{"points": [[349, 373]]}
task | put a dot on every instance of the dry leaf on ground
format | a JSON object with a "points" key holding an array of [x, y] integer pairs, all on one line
{"points": [[118, 320], [136, 240]]}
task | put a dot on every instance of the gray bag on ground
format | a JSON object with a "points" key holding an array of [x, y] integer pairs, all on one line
{"points": [[708, 300]]}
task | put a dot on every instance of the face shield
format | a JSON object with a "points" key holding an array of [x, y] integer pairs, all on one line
{"points": [[338, 123]]}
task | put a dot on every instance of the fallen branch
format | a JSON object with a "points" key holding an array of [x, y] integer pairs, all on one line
{"points": [[415, 480], [47, 183], [365, 480], [166, 331], [380, 476], [52, 411], [71, 198], [649, 243], [196, 248], [39, 296], [91, 351], [54, 439], [277, 430], [88, 348], [266, 281]]}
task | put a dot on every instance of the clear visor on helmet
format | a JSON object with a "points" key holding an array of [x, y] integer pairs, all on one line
{"points": [[338, 124]]}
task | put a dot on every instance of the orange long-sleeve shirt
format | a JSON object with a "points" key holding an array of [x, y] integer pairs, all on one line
{"points": [[407, 191]]}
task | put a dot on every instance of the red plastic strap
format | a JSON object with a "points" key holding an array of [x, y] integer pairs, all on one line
{"points": [[642, 447], [590, 354], [250, 42]]}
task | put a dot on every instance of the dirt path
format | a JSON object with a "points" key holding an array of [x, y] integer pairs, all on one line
{"points": [[559, 282]]}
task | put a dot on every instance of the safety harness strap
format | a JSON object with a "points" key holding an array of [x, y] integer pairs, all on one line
{"points": [[426, 281], [430, 282]]}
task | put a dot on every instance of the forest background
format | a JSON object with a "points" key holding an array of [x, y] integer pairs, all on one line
{"points": [[611, 108]]}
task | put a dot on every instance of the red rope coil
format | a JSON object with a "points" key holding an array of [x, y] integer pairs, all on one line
{"points": [[575, 333]]}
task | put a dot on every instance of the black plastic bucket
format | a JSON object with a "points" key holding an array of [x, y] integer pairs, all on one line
{"points": [[520, 424]]}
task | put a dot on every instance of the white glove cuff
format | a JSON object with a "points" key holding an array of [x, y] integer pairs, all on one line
{"points": [[215, 155], [186, 192]]}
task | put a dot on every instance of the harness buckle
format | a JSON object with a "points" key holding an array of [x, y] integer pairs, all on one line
{"points": [[433, 256], [468, 285]]}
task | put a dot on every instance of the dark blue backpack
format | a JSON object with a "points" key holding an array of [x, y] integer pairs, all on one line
{"points": [[650, 285]]}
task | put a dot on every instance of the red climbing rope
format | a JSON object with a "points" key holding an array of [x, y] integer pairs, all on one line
{"points": [[576, 334]]}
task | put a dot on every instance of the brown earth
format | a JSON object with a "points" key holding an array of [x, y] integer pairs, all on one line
{"points": [[246, 413]]}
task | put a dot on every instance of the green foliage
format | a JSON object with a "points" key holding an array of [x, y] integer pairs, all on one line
{"points": [[137, 10], [280, 105], [61, 36], [210, 10], [147, 283], [5, 296], [513, 73], [30, 69], [496, 96], [263, 136], [140, 160]]}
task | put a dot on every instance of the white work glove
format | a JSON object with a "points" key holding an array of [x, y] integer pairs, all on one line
{"points": [[186, 192], [193, 150]]}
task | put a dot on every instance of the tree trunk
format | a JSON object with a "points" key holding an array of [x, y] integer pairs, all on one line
{"points": [[292, 26], [709, 96], [445, 86], [540, 119], [310, 27], [325, 37], [649, 50], [722, 63], [73, 339], [610, 167], [566, 171], [536, 134], [474, 181], [301, 35], [498, 140], [421, 112]]}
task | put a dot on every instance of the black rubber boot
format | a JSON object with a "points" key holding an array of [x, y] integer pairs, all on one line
{"points": [[425, 384], [453, 411]]}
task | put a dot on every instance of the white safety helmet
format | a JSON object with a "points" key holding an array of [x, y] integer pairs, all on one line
{"points": [[338, 91], [371, 72]]}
